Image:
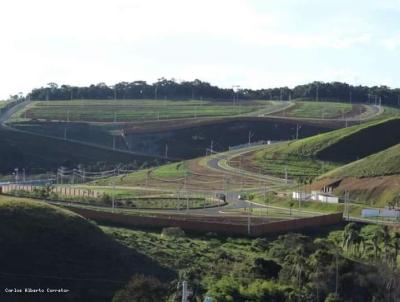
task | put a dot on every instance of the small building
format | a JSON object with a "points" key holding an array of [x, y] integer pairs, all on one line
{"points": [[324, 197], [300, 195]]}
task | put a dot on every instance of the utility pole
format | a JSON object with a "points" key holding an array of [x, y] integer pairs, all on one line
{"points": [[286, 174], [337, 274], [235, 89], [65, 133], [23, 175], [211, 147], [113, 197], [185, 292], [166, 151], [316, 93], [265, 194], [250, 136], [297, 131], [249, 218], [16, 175]]}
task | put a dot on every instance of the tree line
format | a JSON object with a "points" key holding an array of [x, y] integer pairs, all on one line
{"points": [[196, 89]]}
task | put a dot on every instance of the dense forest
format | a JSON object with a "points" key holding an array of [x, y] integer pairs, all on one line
{"points": [[164, 88]]}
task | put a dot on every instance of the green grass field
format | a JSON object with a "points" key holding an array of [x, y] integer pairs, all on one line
{"points": [[309, 109], [137, 110]]}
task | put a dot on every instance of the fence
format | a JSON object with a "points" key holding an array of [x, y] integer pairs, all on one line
{"points": [[222, 225], [68, 191], [262, 142], [385, 213]]}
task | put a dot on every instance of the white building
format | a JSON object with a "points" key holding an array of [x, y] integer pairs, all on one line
{"points": [[324, 197], [300, 195]]}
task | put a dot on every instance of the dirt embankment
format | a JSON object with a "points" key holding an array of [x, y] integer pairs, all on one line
{"points": [[176, 124], [374, 191]]}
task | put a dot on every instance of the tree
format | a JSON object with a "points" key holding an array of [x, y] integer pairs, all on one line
{"points": [[352, 238], [142, 289], [332, 297]]}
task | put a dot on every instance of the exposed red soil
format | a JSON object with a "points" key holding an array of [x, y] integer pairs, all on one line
{"points": [[372, 189]]}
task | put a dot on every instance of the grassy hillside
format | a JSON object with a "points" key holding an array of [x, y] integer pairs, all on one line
{"points": [[386, 162], [373, 180], [45, 246], [318, 154]]}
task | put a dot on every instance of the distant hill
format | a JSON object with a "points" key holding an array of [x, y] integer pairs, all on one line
{"points": [[48, 247]]}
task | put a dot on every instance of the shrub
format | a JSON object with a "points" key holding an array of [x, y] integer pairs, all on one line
{"points": [[172, 232], [142, 289]]}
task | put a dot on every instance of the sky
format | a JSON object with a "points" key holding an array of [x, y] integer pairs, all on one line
{"points": [[253, 43]]}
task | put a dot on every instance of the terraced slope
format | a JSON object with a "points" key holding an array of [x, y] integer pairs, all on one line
{"points": [[318, 154], [383, 163], [374, 180], [39, 154], [48, 247]]}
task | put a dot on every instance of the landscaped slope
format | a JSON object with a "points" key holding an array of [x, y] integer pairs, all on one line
{"points": [[374, 179], [321, 153], [48, 247], [386, 162]]}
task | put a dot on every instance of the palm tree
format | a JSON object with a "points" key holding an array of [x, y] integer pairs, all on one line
{"points": [[386, 240], [350, 236], [299, 265], [396, 244], [375, 240]]}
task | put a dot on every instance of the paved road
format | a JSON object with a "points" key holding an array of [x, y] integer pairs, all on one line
{"points": [[219, 163], [8, 113]]}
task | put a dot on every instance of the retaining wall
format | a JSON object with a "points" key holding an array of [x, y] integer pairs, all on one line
{"points": [[193, 223]]}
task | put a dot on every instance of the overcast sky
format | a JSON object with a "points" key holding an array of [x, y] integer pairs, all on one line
{"points": [[254, 44]]}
